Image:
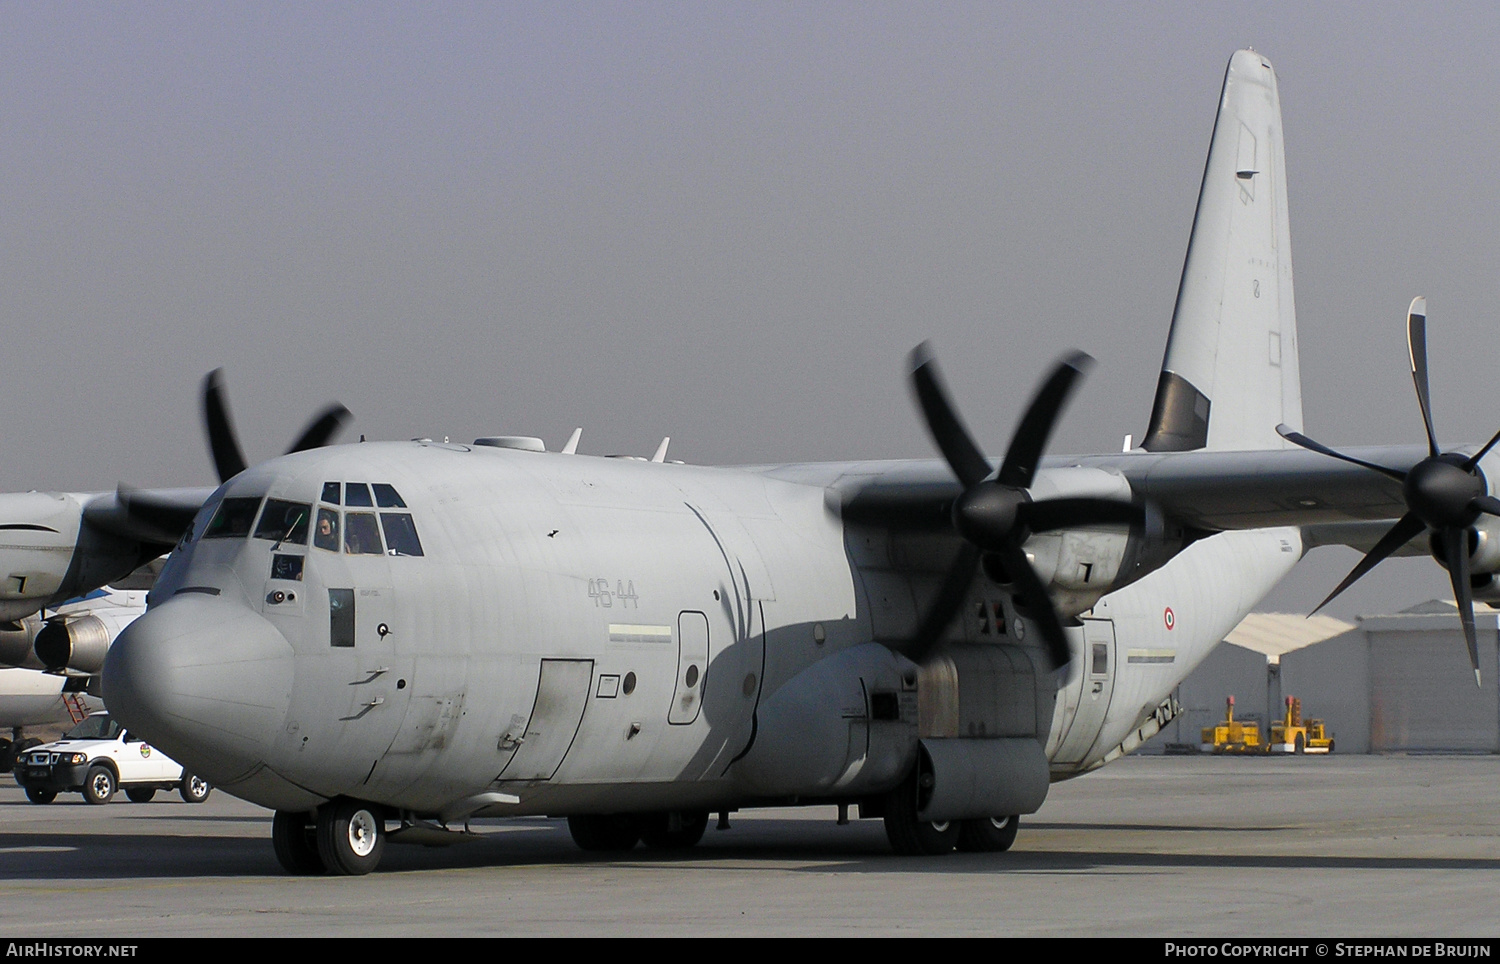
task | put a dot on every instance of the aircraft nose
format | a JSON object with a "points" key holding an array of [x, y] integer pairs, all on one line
{"points": [[206, 679]]}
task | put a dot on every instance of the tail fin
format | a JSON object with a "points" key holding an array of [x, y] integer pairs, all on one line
{"points": [[1230, 374]]}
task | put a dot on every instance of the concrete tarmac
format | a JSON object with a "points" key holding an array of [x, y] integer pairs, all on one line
{"points": [[1168, 847]]}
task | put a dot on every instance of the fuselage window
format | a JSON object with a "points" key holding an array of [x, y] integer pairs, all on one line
{"points": [[361, 534], [341, 617], [327, 536], [357, 493], [386, 496], [331, 492], [400, 534], [286, 567], [233, 519], [284, 522]]}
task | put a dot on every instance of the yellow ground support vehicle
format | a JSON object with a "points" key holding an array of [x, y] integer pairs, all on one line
{"points": [[1293, 734], [1232, 736]]}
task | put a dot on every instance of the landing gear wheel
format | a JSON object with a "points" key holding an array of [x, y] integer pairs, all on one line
{"points": [[40, 796], [351, 837], [910, 836], [1300, 746], [140, 794], [99, 785], [673, 830], [294, 837], [988, 835], [7, 758], [193, 788], [605, 832]]}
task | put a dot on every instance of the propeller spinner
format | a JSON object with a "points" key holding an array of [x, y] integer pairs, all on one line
{"points": [[1445, 493], [994, 513]]}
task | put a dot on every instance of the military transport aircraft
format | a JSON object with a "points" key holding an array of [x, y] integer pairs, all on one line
{"points": [[380, 641]]}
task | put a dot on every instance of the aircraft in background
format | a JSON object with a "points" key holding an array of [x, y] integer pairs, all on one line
{"points": [[50, 663], [380, 641]]}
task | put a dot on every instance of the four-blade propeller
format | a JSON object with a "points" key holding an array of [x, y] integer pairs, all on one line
{"points": [[223, 442], [1444, 493], [994, 513]]}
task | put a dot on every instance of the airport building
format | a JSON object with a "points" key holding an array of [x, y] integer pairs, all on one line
{"points": [[1394, 683]]}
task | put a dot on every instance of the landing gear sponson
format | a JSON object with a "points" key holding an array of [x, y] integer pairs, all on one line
{"points": [[347, 837]]}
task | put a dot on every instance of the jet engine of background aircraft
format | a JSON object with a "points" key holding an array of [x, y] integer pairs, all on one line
{"points": [[73, 639]]}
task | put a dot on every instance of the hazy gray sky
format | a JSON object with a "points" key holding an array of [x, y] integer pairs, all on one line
{"points": [[726, 223]]}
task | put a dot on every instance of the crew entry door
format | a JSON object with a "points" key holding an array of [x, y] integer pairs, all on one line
{"points": [[562, 692]]}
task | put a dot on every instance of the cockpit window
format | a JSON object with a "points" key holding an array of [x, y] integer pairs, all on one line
{"points": [[284, 522], [361, 534], [327, 536], [233, 519], [386, 496], [400, 533], [331, 492], [357, 493]]}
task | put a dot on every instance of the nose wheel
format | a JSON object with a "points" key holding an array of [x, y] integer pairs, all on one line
{"points": [[294, 837], [344, 838]]}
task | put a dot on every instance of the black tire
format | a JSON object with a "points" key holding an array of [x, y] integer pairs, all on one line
{"points": [[351, 837], [910, 836], [673, 830], [36, 795], [988, 835], [99, 785], [1301, 745], [140, 794], [193, 788], [294, 838], [7, 756], [605, 832]]}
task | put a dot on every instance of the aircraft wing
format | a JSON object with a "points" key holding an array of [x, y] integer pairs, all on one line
{"points": [[151, 516], [1210, 491]]}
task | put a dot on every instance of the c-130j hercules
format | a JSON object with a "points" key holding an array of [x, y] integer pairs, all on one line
{"points": [[380, 641]]}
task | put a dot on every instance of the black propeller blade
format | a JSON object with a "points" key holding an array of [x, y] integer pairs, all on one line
{"points": [[1444, 493], [223, 442], [996, 515]]}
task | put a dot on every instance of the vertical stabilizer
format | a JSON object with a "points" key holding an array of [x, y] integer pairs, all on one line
{"points": [[1230, 374]]}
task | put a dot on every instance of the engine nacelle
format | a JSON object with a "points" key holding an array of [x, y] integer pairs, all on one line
{"points": [[49, 554], [17, 639], [1080, 565], [78, 643]]}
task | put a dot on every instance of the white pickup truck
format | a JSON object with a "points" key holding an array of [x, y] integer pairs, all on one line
{"points": [[98, 757]]}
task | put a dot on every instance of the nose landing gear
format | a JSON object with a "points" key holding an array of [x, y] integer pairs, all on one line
{"points": [[345, 837]]}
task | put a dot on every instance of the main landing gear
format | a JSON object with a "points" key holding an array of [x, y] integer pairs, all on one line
{"points": [[619, 832], [342, 837], [911, 836]]}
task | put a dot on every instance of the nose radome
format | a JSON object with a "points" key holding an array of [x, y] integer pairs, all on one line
{"points": [[206, 679]]}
